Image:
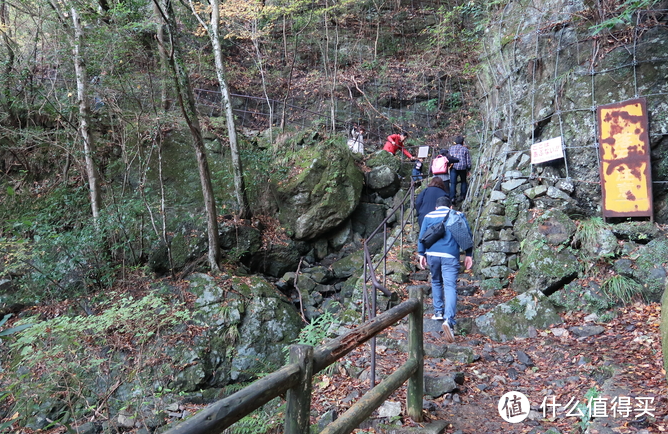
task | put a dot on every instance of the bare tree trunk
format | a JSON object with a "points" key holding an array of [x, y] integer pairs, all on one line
{"points": [[187, 103], [8, 63], [84, 129], [260, 65], [335, 74], [237, 167], [160, 35], [291, 70]]}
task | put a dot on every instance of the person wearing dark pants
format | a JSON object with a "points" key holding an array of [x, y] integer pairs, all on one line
{"points": [[443, 261], [459, 170]]}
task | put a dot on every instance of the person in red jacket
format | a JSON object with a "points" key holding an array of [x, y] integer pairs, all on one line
{"points": [[396, 142]]}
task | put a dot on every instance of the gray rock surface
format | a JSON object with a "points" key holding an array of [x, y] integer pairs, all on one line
{"points": [[515, 318]]}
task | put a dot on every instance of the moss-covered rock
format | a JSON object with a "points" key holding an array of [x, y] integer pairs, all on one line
{"points": [[278, 258], [398, 271], [321, 191], [546, 269], [383, 180], [348, 265], [516, 317], [384, 158], [241, 238], [248, 307], [651, 269], [602, 244], [516, 204], [367, 217], [553, 227], [639, 232], [581, 296], [187, 244]]}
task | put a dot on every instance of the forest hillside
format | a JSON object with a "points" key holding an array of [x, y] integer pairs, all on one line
{"points": [[179, 203]]}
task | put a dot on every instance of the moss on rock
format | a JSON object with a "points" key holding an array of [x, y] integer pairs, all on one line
{"points": [[546, 269], [516, 317]]}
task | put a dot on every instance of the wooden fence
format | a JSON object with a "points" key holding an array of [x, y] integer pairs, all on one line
{"points": [[295, 379]]}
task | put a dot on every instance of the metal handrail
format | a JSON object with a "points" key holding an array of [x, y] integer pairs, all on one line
{"points": [[368, 265]]}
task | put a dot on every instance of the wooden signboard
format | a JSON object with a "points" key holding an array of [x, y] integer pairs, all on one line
{"points": [[626, 178]]}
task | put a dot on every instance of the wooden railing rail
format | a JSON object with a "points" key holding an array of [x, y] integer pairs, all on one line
{"points": [[295, 379]]}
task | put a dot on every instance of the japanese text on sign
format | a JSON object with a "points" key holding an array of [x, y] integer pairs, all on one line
{"points": [[546, 151]]}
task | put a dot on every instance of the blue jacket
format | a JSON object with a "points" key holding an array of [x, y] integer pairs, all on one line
{"points": [[447, 244], [426, 201]]}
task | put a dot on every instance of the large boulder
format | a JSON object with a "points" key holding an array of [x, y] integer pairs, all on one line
{"points": [[348, 265], [384, 180], [383, 158], [239, 238], [367, 217], [582, 295], [187, 244], [135, 353], [248, 307], [553, 228], [546, 269], [321, 191], [518, 316]]}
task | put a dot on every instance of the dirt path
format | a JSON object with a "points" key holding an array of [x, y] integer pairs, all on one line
{"points": [[620, 369]]}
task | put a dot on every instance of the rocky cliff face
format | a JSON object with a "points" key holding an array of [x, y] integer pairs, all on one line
{"points": [[542, 76], [544, 71]]}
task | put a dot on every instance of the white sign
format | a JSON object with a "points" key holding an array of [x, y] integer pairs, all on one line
{"points": [[423, 152], [514, 407], [546, 151]]}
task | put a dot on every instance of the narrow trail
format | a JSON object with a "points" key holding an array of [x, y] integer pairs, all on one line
{"points": [[620, 367]]}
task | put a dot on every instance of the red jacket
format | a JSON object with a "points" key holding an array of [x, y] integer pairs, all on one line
{"points": [[394, 143]]}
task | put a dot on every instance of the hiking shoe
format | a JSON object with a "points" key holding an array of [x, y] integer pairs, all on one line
{"points": [[447, 331], [438, 317]]}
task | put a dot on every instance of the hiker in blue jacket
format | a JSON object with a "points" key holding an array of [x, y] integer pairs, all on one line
{"points": [[443, 260]]}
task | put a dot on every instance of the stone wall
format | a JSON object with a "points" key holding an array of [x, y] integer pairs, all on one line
{"points": [[543, 74]]}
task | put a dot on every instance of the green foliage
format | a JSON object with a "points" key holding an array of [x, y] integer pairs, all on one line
{"points": [[260, 421], [622, 288], [586, 410], [624, 15], [458, 27], [61, 209], [57, 251], [66, 357], [259, 166], [587, 231], [317, 331], [12, 330]]}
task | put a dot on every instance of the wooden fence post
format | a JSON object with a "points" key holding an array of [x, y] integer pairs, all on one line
{"points": [[416, 351], [298, 412]]}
